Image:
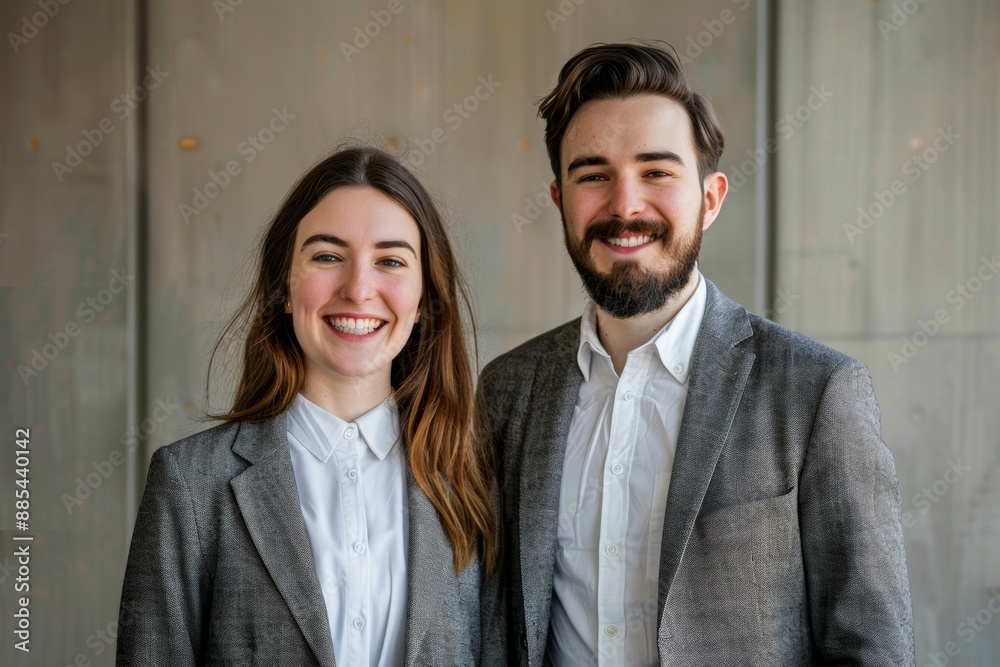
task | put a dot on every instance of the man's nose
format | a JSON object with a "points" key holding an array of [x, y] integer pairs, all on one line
{"points": [[626, 199]]}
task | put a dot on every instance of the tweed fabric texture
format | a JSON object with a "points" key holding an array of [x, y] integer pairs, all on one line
{"points": [[220, 570], [782, 541]]}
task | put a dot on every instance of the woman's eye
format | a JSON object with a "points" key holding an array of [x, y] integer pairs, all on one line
{"points": [[391, 262], [325, 258]]}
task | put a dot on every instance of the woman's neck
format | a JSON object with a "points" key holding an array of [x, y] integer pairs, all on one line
{"points": [[347, 398]]}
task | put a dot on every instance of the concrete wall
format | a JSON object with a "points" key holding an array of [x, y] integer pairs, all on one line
{"points": [[226, 70]]}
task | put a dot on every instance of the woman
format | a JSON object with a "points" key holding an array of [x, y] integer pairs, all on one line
{"points": [[342, 512]]}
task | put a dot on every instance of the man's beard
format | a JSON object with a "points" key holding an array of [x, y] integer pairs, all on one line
{"points": [[630, 290]]}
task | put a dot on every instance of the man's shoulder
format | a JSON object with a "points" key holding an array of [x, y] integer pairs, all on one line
{"points": [[778, 346], [525, 357]]}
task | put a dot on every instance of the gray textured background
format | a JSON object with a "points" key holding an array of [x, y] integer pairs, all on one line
{"points": [[896, 86]]}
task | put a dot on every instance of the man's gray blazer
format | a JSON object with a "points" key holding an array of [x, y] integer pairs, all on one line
{"points": [[782, 542], [221, 571]]}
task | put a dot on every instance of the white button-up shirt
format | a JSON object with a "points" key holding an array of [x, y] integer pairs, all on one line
{"points": [[616, 473], [351, 479]]}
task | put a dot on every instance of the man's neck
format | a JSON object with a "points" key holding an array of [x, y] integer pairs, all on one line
{"points": [[621, 336]]}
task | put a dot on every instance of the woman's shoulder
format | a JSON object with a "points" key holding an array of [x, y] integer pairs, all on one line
{"points": [[210, 449]]}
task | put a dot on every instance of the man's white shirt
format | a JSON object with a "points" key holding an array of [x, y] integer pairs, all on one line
{"points": [[613, 497], [351, 478]]}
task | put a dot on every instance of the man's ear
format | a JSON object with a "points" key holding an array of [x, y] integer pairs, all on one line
{"points": [[556, 193], [716, 186]]}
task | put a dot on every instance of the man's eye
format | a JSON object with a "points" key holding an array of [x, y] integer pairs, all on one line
{"points": [[591, 177], [658, 173]]}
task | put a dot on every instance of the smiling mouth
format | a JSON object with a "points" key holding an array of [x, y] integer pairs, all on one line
{"points": [[355, 327], [630, 241]]}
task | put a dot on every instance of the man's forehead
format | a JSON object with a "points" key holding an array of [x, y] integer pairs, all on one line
{"points": [[629, 126]]}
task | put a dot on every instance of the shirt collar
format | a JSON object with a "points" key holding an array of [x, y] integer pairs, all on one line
{"points": [[320, 431], [674, 343]]}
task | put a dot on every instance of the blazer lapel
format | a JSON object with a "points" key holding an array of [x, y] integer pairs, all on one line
{"points": [[268, 499], [718, 377], [554, 396]]}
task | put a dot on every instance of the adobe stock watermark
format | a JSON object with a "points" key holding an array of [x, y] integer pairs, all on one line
{"points": [[249, 148], [37, 21], [914, 168], [130, 440], [695, 45], [563, 11], [784, 299], [86, 311], [121, 107], [223, 7], [786, 127], [901, 13], [934, 492], [454, 116], [929, 328], [381, 19], [533, 207], [967, 630]]}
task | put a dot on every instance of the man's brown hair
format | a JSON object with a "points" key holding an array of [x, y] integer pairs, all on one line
{"points": [[620, 71]]}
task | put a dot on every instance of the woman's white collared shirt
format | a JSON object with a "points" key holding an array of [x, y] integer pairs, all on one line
{"points": [[351, 479]]}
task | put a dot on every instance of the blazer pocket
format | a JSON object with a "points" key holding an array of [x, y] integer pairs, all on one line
{"points": [[740, 583], [760, 544], [763, 532]]}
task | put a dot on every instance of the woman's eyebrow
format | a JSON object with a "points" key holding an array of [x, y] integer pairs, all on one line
{"points": [[381, 245], [325, 238], [337, 241]]}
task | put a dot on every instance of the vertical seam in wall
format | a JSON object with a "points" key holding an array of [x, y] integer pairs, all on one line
{"points": [[765, 186], [136, 217]]}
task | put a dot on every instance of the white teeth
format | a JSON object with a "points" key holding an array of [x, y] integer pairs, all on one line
{"points": [[357, 327], [631, 241]]}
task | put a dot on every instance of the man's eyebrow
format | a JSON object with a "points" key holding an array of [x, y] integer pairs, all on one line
{"points": [[657, 156], [586, 161], [337, 241]]}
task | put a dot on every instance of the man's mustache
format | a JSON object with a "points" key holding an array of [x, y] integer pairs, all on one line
{"points": [[605, 229]]}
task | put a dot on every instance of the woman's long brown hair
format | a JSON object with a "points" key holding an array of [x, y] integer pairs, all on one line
{"points": [[432, 377]]}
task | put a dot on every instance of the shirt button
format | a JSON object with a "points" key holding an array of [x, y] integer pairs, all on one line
{"points": [[359, 547], [612, 550], [352, 474], [359, 623], [629, 395], [611, 630], [349, 433], [618, 468], [678, 368]]}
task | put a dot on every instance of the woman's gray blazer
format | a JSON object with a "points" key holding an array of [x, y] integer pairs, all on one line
{"points": [[220, 570]]}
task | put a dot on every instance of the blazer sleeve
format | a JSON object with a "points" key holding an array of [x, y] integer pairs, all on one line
{"points": [[164, 595], [493, 601], [493, 589], [852, 536]]}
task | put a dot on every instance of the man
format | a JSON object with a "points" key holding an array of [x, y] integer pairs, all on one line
{"points": [[684, 482]]}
